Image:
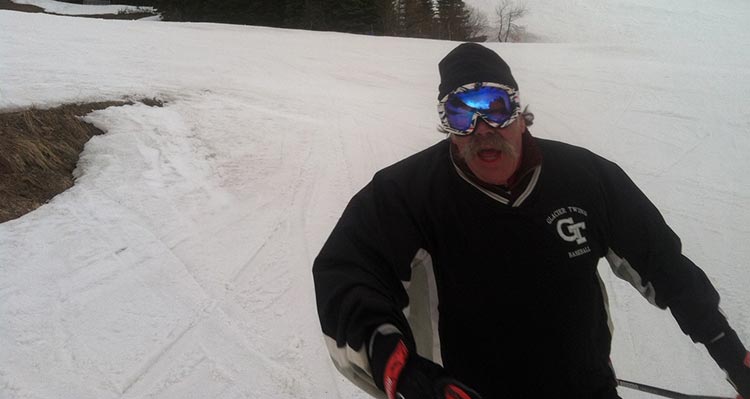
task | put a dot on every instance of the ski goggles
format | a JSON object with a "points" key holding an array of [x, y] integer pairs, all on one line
{"points": [[496, 104]]}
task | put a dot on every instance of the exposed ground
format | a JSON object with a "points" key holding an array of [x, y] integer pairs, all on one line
{"points": [[39, 149], [9, 5]]}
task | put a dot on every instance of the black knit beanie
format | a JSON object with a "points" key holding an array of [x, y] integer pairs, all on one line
{"points": [[471, 63]]}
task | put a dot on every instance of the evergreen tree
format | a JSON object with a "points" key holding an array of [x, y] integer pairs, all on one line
{"points": [[295, 14], [453, 17], [355, 16], [388, 15], [441, 19], [419, 18]]}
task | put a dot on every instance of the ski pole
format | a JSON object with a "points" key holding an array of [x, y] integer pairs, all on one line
{"points": [[665, 392]]}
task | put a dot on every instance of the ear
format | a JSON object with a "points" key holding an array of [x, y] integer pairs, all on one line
{"points": [[522, 122]]}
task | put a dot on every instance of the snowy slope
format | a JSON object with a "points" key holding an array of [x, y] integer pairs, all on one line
{"points": [[179, 264]]}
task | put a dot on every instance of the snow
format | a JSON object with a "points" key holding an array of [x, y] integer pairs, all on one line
{"points": [[62, 8], [179, 263]]}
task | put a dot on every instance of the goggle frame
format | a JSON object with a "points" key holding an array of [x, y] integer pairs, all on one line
{"points": [[513, 99]]}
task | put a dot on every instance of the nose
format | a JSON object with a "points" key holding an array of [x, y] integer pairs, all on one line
{"points": [[482, 127]]}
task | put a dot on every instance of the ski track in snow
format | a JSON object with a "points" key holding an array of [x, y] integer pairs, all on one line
{"points": [[179, 264]]}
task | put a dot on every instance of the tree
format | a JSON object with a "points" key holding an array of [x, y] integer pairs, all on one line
{"points": [[477, 26], [453, 18], [304, 14], [416, 18], [389, 16], [508, 13], [354, 16], [440, 19]]}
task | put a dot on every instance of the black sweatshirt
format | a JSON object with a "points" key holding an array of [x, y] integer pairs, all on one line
{"points": [[510, 282]]}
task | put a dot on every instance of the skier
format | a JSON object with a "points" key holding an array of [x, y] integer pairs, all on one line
{"points": [[468, 270]]}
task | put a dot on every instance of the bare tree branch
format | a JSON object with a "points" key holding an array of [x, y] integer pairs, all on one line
{"points": [[477, 25], [508, 12]]}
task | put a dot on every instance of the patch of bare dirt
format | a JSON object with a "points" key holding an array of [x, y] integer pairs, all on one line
{"points": [[9, 5], [39, 149]]}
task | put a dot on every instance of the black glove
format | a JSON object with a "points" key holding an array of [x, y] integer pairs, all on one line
{"points": [[734, 359], [398, 370]]}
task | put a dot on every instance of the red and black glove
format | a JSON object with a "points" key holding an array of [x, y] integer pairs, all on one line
{"points": [[734, 359], [402, 374]]}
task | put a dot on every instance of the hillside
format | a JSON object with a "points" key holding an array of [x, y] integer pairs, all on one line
{"points": [[179, 263]]}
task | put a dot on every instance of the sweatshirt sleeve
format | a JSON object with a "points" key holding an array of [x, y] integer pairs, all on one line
{"points": [[360, 274], [644, 251]]}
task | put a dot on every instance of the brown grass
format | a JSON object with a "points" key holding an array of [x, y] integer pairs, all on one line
{"points": [[9, 5], [39, 150]]}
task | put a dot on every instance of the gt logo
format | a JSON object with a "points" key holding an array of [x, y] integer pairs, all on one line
{"points": [[571, 231]]}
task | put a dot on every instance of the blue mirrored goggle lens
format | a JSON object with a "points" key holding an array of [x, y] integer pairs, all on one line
{"points": [[491, 102]]}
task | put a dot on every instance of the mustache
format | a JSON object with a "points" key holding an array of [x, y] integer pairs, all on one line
{"points": [[490, 141]]}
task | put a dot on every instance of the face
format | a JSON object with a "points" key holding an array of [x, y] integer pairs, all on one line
{"points": [[492, 154]]}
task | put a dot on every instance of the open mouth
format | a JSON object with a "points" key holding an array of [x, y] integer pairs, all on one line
{"points": [[489, 154]]}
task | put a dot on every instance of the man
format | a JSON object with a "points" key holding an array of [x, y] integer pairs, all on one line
{"points": [[505, 231]]}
